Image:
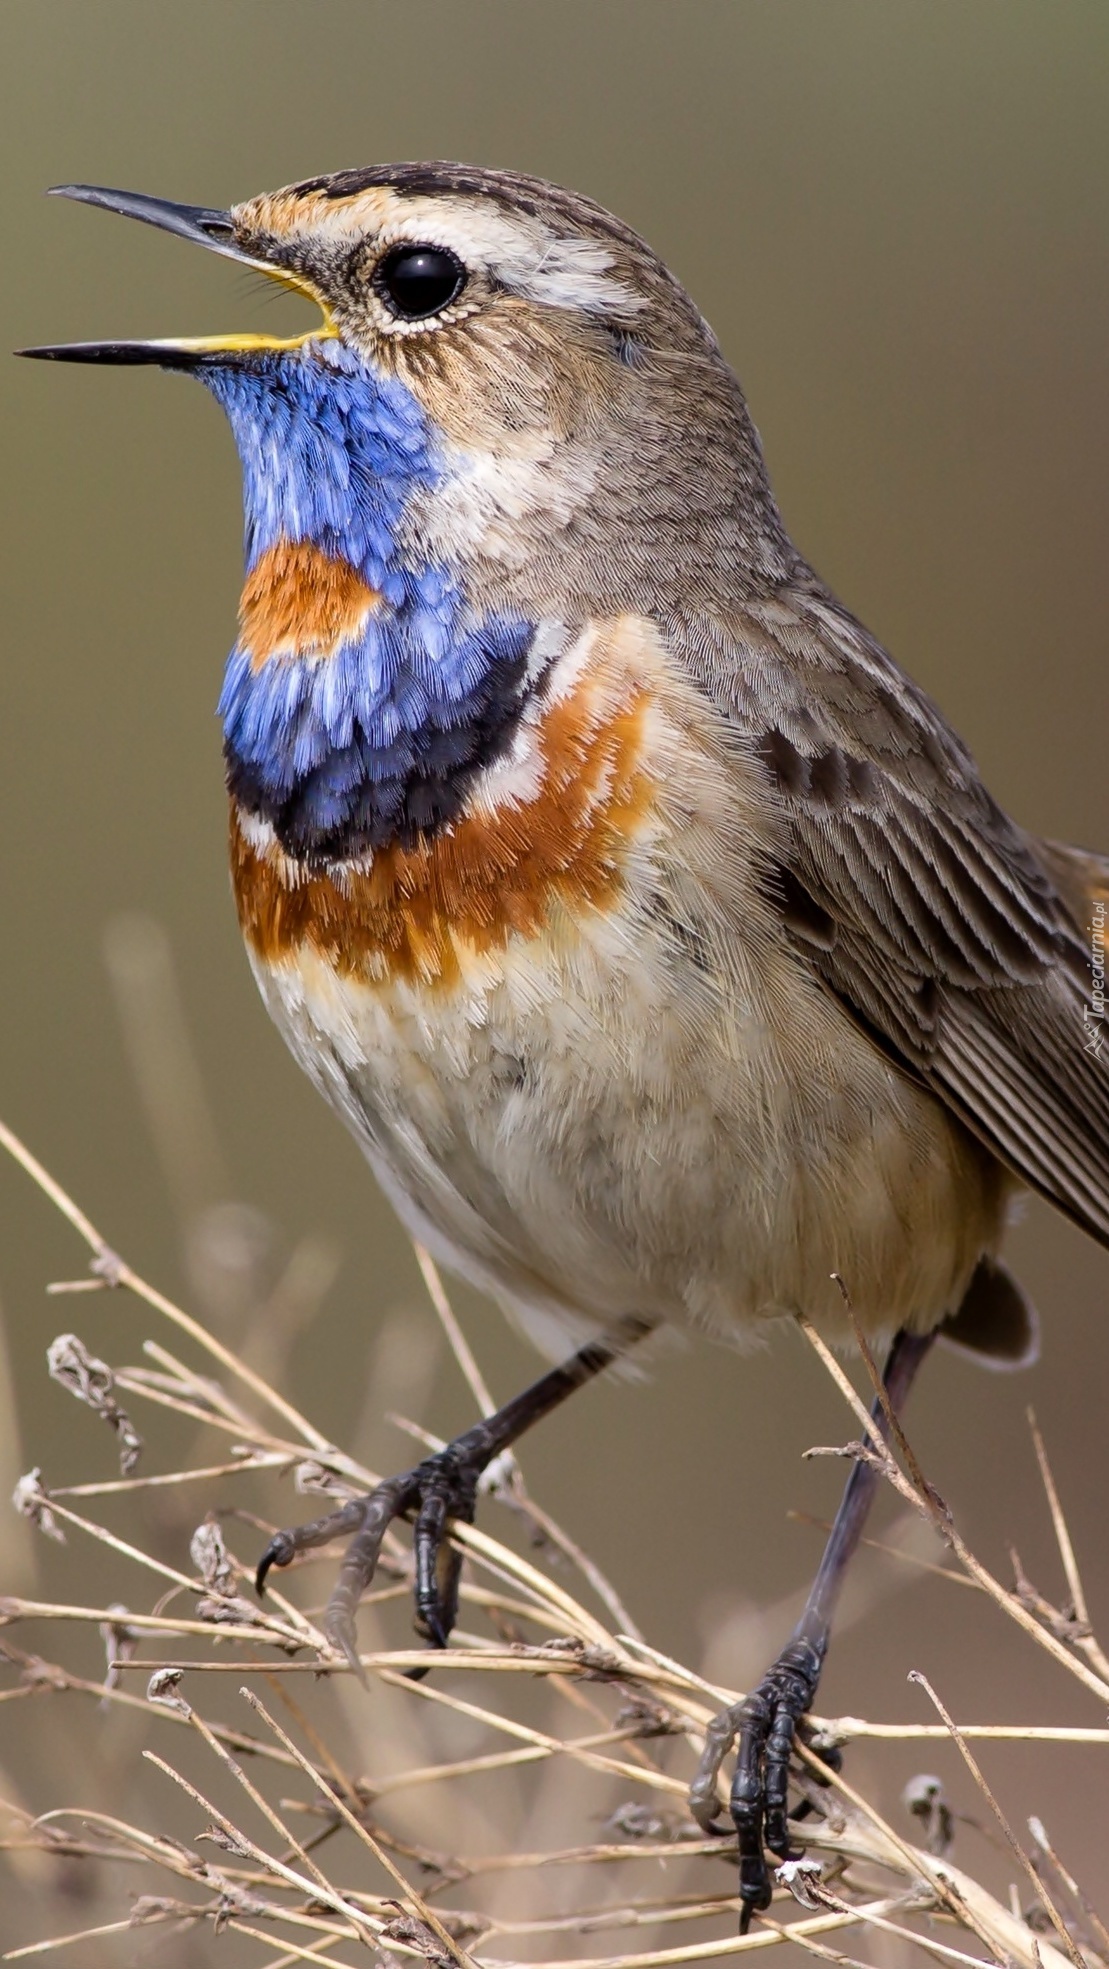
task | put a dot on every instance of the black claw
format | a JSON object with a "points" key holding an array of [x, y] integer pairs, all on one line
{"points": [[769, 1723], [450, 1496], [430, 1625], [767, 1726], [284, 1545], [440, 1491], [764, 1729], [274, 1555]]}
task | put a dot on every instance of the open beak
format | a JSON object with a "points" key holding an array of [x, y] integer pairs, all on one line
{"points": [[206, 227]]}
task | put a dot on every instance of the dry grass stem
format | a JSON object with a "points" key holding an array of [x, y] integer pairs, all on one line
{"points": [[1007, 1832], [528, 1795]]}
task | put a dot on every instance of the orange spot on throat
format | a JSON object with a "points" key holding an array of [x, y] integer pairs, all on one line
{"points": [[299, 601], [494, 876]]}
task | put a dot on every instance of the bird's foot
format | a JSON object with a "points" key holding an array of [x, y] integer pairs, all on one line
{"points": [[766, 1724], [439, 1492]]}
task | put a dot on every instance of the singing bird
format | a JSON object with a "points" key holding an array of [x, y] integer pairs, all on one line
{"points": [[652, 932]]}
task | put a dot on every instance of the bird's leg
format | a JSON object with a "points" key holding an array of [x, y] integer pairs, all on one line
{"points": [[767, 1720], [437, 1492]]}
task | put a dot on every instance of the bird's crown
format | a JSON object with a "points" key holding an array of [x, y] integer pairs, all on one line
{"points": [[403, 250]]}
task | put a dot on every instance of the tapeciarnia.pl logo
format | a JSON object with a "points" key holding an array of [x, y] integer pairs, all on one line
{"points": [[1093, 1013]]}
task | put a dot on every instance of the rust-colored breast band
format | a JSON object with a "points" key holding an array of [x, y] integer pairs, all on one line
{"points": [[299, 601], [491, 877]]}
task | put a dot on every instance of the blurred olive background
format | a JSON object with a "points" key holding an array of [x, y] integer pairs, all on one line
{"points": [[896, 218]]}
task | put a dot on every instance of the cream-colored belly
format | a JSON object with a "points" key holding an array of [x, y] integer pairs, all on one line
{"points": [[589, 1134]]}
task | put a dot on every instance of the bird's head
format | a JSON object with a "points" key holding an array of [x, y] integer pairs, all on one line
{"points": [[541, 341], [511, 420]]}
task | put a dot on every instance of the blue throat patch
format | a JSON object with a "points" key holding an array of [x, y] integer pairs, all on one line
{"points": [[379, 741]]}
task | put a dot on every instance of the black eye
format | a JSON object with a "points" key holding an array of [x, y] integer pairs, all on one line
{"points": [[417, 281]]}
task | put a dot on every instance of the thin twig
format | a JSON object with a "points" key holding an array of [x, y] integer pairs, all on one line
{"points": [[589, 1667], [357, 1825], [941, 1522], [1010, 1837], [119, 1273], [1099, 1930], [1085, 1641]]}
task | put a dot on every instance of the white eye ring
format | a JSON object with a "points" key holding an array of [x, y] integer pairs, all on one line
{"points": [[416, 281]]}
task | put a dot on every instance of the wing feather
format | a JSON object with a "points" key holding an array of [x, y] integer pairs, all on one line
{"points": [[955, 938]]}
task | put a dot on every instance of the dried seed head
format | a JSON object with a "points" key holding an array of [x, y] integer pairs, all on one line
{"points": [[924, 1798], [31, 1501], [92, 1381]]}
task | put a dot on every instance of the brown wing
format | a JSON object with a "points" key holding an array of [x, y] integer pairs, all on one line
{"points": [[960, 942]]}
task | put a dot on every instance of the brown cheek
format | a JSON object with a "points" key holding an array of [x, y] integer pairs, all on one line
{"points": [[503, 380]]}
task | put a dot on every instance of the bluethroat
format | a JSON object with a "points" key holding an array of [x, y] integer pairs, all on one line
{"points": [[653, 933]]}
